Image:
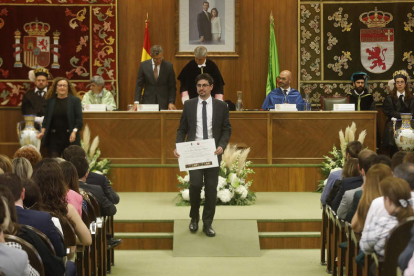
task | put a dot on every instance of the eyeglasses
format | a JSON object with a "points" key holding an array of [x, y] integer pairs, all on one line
{"points": [[62, 85], [203, 85]]}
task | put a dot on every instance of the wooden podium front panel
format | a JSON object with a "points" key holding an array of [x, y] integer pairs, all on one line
{"points": [[127, 137], [304, 137]]}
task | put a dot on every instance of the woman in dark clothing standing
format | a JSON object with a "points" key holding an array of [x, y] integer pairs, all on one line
{"points": [[63, 118], [399, 101]]}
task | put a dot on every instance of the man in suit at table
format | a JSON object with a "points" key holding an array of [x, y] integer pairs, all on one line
{"points": [[204, 118], [157, 77]]}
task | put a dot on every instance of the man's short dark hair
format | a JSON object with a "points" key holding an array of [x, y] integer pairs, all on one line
{"points": [[73, 151], [206, 77], [81, 165], [382, 159], [397, 158], [354, 148], [409, 158], [13, 183], [406, 172], [365, 158]]}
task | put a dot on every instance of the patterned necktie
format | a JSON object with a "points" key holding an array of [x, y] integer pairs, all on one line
{"points": [[205, 134], [40, 93], [285, 92], [155, 72]]}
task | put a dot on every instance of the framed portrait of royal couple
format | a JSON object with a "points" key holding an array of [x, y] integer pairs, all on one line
{"points": [[210, 23]]}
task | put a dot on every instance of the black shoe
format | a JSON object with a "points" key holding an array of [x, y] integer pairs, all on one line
{"points": [[193, 225], [209, 231], [114, 242]]}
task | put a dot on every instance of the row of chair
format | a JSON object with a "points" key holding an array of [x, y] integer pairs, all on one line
{"points": [[340, 259], [95, 259]]}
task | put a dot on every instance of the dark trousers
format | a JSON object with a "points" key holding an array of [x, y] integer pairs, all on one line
{"points": [[196, 184]]}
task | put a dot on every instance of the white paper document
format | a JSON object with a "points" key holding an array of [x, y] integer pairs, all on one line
{"points": [[197, 155]]}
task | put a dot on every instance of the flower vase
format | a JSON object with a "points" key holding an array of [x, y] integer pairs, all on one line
{"points": [[27, 136], [404, 136]]}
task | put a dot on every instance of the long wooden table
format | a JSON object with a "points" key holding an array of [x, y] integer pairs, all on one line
{"points": [[274, 137]]}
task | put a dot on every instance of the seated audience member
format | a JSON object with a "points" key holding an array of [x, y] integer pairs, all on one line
{"points": [[98, 94], [29, 152], [370, 191], [352, 197], [82, 166], [352, 150], [409, 158], [398, 203], [284, 94], [6, 164], [72, 185], [22, 167], [42, 221], [382, 159], [1, 171], [365, 159], [13, 261], [350, 170], [48, 176], [377, 208], [406, 257], [93, 178], [32, 198], [397, 159], [54, 265]]}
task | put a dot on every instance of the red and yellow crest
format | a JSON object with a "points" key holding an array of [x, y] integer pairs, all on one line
{"points": [[36, 46]]}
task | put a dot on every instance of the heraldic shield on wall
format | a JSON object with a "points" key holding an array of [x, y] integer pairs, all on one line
{"points": [[75, 39], [338, 38], [377, 42]]}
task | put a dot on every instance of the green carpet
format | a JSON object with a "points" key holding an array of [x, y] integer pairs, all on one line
{"points": [[234, 238], [269, 206], [291, 262]]}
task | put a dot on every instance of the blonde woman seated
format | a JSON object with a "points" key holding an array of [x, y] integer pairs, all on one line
{"points": [[370, 191], [22, 167], [398, 203]]}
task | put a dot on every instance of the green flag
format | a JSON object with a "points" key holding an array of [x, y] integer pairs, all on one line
{"points": [[273, 71]]}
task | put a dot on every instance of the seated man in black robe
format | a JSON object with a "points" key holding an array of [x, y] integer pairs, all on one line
{"points": [[200, 65], [34, 102], [360, 96]]}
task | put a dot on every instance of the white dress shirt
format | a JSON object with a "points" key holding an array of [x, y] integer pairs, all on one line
{"points": [[199, 128], [43, 93], [399, 94]]}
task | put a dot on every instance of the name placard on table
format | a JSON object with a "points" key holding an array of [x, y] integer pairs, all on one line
{"points": [[285, 107], [344, 107], [148, 107], [94, 107]]}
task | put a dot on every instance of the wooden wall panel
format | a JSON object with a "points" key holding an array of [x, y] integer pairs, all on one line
{"points": [[246, 73], [265, 179]]}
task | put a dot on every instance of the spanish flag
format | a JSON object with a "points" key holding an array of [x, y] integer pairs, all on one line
{"points": [[147, 44]]}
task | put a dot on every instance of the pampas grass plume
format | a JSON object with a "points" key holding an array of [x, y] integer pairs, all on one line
{"points": [[342, 142], [86, 138], [362, 135], [242, 159], [228, 153], [94, 146], [351, 135], [353, 129]]}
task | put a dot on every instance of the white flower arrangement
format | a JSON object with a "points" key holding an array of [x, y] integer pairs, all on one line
{"points": [[336, 162], [232, 188], [93, 153]]}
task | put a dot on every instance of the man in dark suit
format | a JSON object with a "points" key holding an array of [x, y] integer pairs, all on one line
{"points": [[204, 24], [81, 165], [42, 221], [365, 159], [204, 118], [34, 102], [93, 178], [158, 78]]}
